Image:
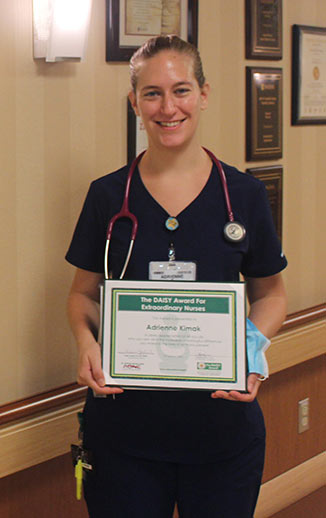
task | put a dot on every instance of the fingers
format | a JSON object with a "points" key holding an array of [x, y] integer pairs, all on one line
{"points": [[253, 385], [90, 372]]}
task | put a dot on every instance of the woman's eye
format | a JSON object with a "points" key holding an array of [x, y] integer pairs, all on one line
{"points": [[151, 93], [182, 91]]}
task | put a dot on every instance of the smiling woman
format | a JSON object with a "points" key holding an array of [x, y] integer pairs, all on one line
{"points": [[169, 106], [197, 448]]}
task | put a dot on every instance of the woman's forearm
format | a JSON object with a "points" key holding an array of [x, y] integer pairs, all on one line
{"points": [[268, 315], [84, 317], [268, 303]]}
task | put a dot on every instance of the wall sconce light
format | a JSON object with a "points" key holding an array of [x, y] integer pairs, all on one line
{"points": [[60, 29]]}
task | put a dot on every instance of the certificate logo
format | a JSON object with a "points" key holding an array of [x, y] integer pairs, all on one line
{"points": [[209, 366]]}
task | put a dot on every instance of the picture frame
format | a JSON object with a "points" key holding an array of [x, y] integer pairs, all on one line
{"points": [[134, 354], [272, 177], [264, 113], [264, 29], [129, 23], [308, 75], [136, 135]]}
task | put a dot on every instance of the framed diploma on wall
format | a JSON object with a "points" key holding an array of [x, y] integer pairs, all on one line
{"points": [[129, 23], [263, 29], [308, 75], [264, 113]]}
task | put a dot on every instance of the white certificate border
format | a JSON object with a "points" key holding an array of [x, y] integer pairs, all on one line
{"points": [[119, 291], [112, 289]]}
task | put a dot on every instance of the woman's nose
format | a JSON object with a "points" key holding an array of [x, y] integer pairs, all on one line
{"points": [[168, 105]]}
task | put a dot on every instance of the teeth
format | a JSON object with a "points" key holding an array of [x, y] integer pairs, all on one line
{"points": [[169, 124]]}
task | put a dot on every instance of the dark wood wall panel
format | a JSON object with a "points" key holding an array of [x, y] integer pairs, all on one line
{"points": [[312, 506], [279, 398], [43, 491]]}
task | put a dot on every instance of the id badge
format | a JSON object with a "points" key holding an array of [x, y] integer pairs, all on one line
{"points": [[172, 271]]}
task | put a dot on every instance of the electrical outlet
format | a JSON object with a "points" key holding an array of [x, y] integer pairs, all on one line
{"points": [[303, 423]]}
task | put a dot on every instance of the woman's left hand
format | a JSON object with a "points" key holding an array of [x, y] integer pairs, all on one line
{"points": [[253, 385]]}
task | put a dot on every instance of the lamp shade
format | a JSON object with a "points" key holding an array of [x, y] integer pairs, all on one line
{"points": [[61, 28]]}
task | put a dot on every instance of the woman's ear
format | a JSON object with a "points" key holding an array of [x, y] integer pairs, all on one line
{"points": [[133, 101], [204, 96]]}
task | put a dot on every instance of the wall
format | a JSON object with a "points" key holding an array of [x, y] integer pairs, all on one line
{"points": [[64, 124]]}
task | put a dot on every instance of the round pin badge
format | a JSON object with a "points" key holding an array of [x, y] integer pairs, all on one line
{"points": [[172, 223], [234, 231]]}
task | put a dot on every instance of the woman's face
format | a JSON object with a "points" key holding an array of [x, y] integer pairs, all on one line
{"points": [[169, 99]]}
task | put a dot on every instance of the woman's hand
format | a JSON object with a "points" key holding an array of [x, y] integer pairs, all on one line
{"points": [[84, 318], [90, 372], [253, 385]]}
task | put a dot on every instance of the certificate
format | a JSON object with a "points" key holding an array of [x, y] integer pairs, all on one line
{"points": [[151, 18], [129, 23], [309, 75], [174, 335]]}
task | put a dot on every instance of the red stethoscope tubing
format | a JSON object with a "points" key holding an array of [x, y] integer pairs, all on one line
{"points": [[125, 212], [224, 183]]}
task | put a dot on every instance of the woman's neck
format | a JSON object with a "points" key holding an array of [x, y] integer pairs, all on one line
{"points": [[166, 162], [174, 180]]}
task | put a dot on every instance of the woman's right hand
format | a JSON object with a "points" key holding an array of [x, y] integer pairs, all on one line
{"points": [[83, 312], [90, 372]]}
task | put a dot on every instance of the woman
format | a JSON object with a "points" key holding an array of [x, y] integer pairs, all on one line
{"points": [[151, 449]]}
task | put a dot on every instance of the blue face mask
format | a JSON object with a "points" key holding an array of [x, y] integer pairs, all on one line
{"points": [[257, 344]]}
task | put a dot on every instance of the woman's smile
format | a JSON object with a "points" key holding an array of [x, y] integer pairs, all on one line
{"points": [[170, 124]]}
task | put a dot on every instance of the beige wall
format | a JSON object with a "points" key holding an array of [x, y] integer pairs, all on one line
{"points": [[64, 124]]}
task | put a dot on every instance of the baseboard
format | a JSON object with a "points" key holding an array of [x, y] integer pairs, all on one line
{"points": [[291, 486]]}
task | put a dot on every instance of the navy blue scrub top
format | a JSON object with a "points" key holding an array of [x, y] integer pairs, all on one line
{"points": [[180, 426]]}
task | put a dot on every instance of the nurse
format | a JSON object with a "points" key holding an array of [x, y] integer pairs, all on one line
{"points": [[151, 449]]}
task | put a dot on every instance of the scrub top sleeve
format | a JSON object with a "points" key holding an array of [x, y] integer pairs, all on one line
{"points": [[265, 256], [87, 247]]}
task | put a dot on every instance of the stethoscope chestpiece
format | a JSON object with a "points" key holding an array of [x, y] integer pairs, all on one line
{"points": [[234, 231]]}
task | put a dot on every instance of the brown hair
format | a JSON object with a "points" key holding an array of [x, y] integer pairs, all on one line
{"points": [[159, 43]]}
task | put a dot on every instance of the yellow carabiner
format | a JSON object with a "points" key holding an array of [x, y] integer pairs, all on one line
{"points": [[79, 478]]}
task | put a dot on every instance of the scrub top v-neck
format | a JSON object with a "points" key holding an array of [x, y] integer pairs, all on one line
{"points": [[159, 205]]}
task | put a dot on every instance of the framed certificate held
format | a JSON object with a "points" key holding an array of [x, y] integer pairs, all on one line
{"points": [[174, 335]]}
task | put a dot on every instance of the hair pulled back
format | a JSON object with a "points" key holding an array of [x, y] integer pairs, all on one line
{"points": [[159, 43]]}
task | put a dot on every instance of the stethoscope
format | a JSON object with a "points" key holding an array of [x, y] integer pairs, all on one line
{"points": [[233, 230]]}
